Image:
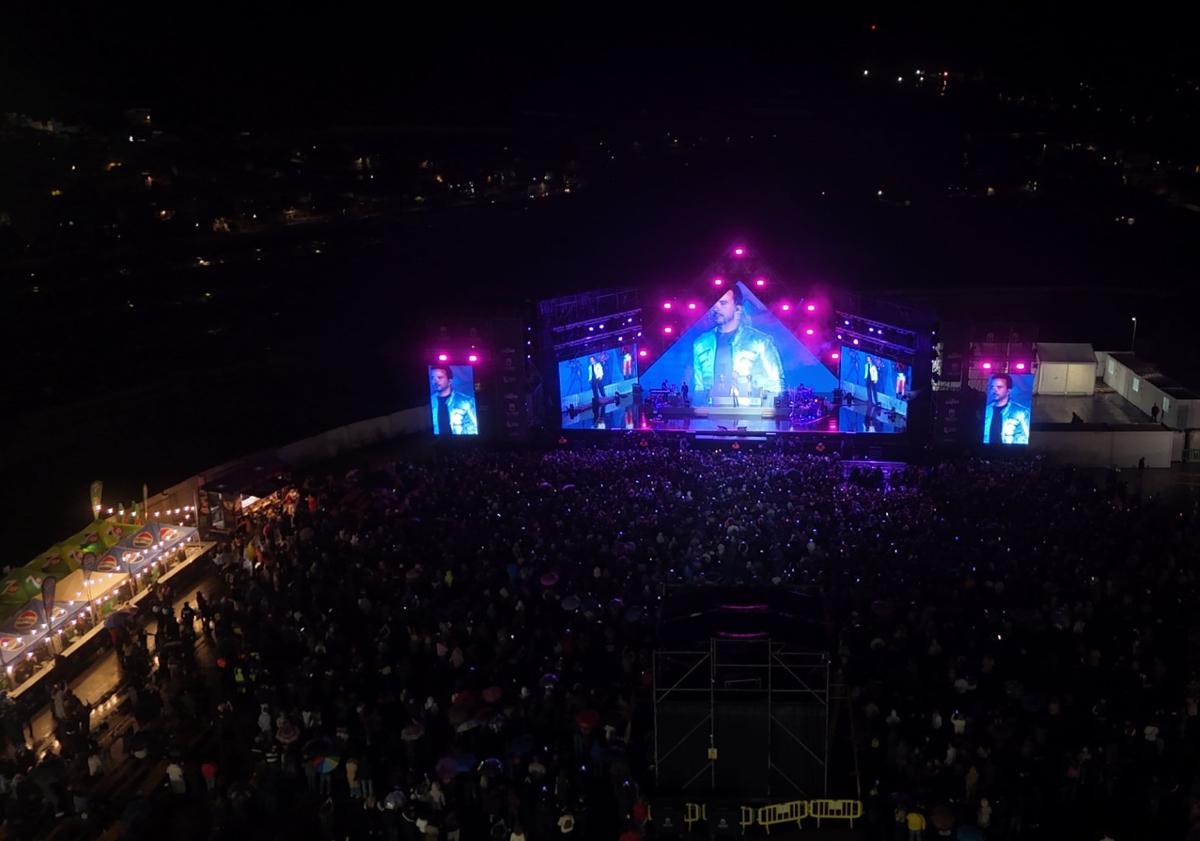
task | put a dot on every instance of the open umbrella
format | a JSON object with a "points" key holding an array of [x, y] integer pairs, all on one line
{"points": [[492, 694], [519, 745], [491, 767], [458, 714], [287, 733], [549, 679], [468, 725], [446, 768], [549, 579], [325, 764], [570, 603], [412, 732]]}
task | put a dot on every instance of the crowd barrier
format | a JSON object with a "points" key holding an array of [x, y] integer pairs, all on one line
{"points": [[775, 814]]}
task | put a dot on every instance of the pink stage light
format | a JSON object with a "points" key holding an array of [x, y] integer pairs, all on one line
{"points": [[760, 282], [1020, 366], [739, 252], [786, 307], [987, 366], [643, 353], [442, 357], [472, 357], [835, 355], [812, 307], [691, 306], [668, 329], [717, 281], [856, 341], [666, 305], [808, 332]]}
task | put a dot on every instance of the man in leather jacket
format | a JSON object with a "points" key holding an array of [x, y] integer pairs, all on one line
{"points": [[734, 356], [453, 411]]}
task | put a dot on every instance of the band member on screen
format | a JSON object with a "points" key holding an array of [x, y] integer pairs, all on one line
{"points": [[901, 385], [733, 355], [596, 378], [871, 378], [627, 364], [1004, 421], [453, 411]]}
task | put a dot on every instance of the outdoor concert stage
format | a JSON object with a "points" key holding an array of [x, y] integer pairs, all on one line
{"points": [[854, 419]]}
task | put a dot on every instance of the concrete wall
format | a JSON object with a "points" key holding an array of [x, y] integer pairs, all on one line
{"points": [[356, 435], [1106, 447]]}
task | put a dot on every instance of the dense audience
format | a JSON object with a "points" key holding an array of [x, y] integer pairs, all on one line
{"points": [[461, 649]]}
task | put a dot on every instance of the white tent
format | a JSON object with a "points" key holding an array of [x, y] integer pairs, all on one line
{"points": [[1065, 368]]}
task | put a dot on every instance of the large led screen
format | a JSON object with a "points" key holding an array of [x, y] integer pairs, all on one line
{"points": [[738, 351], [875, 380], [452, 400], [1008, 415], [598, 374]]}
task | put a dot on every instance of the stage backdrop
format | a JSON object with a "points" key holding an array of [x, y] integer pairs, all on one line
{"points": [[893, 382], [689, 359], [620, 368]]}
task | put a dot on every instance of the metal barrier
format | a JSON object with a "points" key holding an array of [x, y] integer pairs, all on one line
{"points": [[843, 810], [777, 813], [793, 811]]}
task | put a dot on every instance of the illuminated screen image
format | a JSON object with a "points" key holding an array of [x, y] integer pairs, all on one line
{"points": [[738, 353], [598, 374], [875, 380], [452, 400], [1009, 409]]}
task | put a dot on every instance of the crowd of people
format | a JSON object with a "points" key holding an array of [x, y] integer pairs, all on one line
{"points": [[461, 648]]}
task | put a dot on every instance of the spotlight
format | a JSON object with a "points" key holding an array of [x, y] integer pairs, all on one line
{"points": [[643, 353], [1020, 366], [442, 357], [812, 307], [739, 252], [987, 366], [808, 332], [760, 282], [846, 322], [691, 306], [472, 357], [835, 355], [718, 281], [786, 307], [668, 329], [856, 341], [666, 305], [839, 335]]}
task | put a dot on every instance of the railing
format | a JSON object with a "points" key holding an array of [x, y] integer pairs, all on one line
{"points": [[774, 814]]}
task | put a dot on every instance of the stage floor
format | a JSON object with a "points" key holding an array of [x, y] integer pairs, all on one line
{"points": [[842, 419]]}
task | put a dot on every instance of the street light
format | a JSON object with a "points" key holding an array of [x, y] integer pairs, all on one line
{"points": [[1133, 338]]}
